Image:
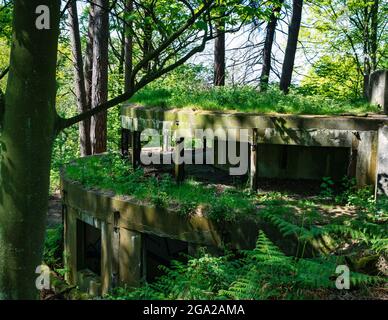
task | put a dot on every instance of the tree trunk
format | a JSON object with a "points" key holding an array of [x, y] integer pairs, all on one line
{"points": [[128, 46], [98, 127], [84, 127], [292, 43], [267, 50], [219, 55], [366, 52], [370, 43], [121, 57], [89, 60], [374, 31], [26, 144]]}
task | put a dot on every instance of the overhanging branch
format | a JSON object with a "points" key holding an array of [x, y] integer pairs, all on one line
{"points": [[65, 123], [4, 73]]}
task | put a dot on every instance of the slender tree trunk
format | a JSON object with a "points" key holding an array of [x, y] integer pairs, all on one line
{"points": [[267, 50], [98, 127], [128, 46], [26, 145], [292, 43], [370, 44], [88, 68], [219, 55], [366, 52], [374, 30], [84, 127], [121, 58]]}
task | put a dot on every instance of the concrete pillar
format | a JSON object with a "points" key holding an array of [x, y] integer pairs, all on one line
{"points": [[253, 161], [70, 245], [136, 149], [166, 141], [106, 257], [366, 158], [204, 148], [352, 167], [382, 163], [378, 89], [130, 257], [179, 164], [124, 142], [115, 250]]}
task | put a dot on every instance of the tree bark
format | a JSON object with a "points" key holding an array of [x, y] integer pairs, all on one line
{"points": [[26, 144], [84, 127], [292, 43], [267, 50], [370, 43], [128, 47], [88, 67], [219, 55], [374, 31], [98, 127]]}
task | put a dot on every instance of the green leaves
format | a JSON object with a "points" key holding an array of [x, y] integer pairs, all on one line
{"points": [[53, 247]]}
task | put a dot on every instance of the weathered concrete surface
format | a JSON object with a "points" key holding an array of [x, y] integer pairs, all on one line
{"points": [[382, 163], [378, 89], [139, 118]]}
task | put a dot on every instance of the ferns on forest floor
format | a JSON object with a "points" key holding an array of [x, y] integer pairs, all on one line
{"points": [[262, 273]]}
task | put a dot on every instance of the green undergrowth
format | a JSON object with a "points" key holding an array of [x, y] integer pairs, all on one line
{"points": [[262, 273], [53, 248], [247, 99], [113, 173]]}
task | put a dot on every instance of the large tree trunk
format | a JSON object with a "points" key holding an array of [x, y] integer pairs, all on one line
{"points": [[26, 144], [292, 43], [128, 47], [219, 55], [98, 127], [84, 127], [267, 50]]}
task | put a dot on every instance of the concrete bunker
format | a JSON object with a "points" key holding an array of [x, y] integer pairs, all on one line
{"points": [[112, 241], [135, 237]]}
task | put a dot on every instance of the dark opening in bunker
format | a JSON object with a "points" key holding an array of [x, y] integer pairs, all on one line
{"points": [[161, 251], [89, 247], [301, 162]]}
